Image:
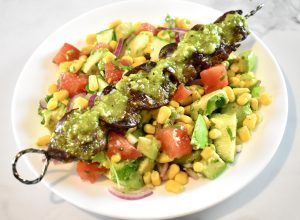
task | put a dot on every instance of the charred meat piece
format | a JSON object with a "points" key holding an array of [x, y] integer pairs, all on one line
{"points": [[167, 50]]}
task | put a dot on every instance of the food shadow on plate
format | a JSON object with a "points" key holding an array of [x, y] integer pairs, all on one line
{"points": [[64, 172], [261, 182]]}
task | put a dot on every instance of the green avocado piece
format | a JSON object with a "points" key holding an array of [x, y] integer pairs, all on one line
{"points": [[93, 59], [247, 62], [213, 167], [146, 165], [200, 134], [137, 45], [240, 111], [156, 46], [148, 147], [51, 117], [123, 30], [188, 158], [105, 36]]}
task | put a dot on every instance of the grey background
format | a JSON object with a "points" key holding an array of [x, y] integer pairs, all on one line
{"points": [[274, 194]]}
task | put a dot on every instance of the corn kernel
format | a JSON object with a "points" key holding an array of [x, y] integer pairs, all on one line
{"points": [[187, 110], [250, 121], [181, 178], [80, 102], [265, 99], [164, 158], [207, 121], [164, 35], [243, 99], [244, 134], [147, 178], [93, 83], [148, 49], [52, 104], [43, 141], [113, 44], [189, 129], [180, 110], [254, 104], [235, 80], [90, 39], [149, 129], [174, 104], [195, 95], [52, 88], [155, 178], [242, 84], [164, 114], [198, 167], [64, 66], [172, 171], [206, 153], [65, 102], [249, 83], [87, 49], [239, 91], [186, 119], [230, 94], [76, 66], [61, 95], [138, 61], [114, 24], [127, 58], [200, 90], [234, 67], [214, 133], [173, 186], [108, 57], [115, 158], [83, 58]]}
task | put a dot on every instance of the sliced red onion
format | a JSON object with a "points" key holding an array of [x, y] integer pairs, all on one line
{"points": [[43, 104], [163, 171], [181, 30], [119, 47], [177, 37], [130, 195], [192, 174], [71, 102], [92, 100]]}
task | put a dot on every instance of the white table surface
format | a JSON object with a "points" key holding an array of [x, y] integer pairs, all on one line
{"points": [[274, 194]]}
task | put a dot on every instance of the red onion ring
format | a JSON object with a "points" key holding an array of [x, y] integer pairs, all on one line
{"points": [[181, 30], [119, 47], [130, 195], [163, 171], [92, 100], [43, 104], [192, 174]]}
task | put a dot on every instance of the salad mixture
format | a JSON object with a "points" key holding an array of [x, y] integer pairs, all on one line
{"points": [[145, 105]]}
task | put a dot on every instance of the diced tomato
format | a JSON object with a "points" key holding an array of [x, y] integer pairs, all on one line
{"points": [[112, 73], [66, 53], [89, 171], [174, 142], [181, 93], [73, 83], [146, 27], [117, 143], [125, 62], [214, 78], [103, 45]]}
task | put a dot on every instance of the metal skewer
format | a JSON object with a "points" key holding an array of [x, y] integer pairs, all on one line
{"points": [[251, 13]]}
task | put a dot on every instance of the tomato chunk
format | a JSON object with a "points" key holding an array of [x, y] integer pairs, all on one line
{"points": [[146, 27], [66, 53], [174, 142], [214, 78], [103, 45], [181, 93], [89, 171], [73, 83], [112, 73], [117, 143]]}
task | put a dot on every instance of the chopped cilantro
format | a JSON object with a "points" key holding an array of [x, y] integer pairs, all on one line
{"points": [[48, 97], [229, 131]]}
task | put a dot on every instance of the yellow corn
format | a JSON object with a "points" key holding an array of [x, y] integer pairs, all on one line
{"points": [[127, 58], [180, 110], [108, 57], [83, 58], [164, 114], [115, 158], [173, 186], [61, 95], [181, 178], [254, 104], [52, 104], [164, 158], [250, 121], [43, 141], [174, 104], [114, 24], [195, 95], [230, 94], [186, 119], [239, 91], [164, 35], [189, 129], [244, 134], [234, 67], [172, 171], [87, 49], [52, 88], [250, 82], [113, 44], [206, 153], [187, 110], [242, 84], [155, 178], [65, 102], [200, 90], [149, 129], [230, 73], [243, 99], [64, 66], [147, 177], [148, 49], [76, 66], [214, 133], [182, 22], [93, 83], [80, 102], [265, 99], [138, 61], [198, 167], [90, 39], [207, 121]]}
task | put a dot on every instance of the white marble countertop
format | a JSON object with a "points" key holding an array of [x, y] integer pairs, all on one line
{"points": [[274, 194]]}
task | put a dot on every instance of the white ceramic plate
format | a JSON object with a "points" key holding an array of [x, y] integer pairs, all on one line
{"points": [[61, 179]]}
